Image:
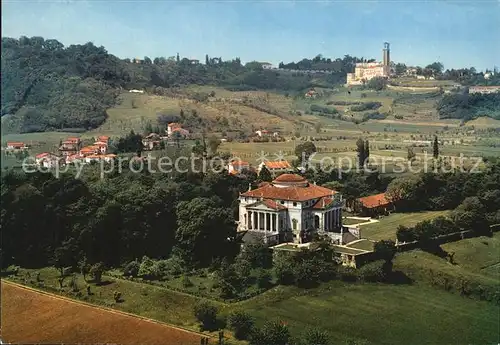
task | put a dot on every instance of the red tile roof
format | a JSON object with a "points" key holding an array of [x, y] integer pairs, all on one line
{"points": [[239, 163], [174, 125], [322, 203], [289, 178], [15, 143], [73, 139], [295, 193], [374, 200], [42, 155], [103, 138], [278, 165]]}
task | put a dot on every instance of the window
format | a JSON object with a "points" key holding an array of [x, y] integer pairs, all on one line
{"points": [[294, 204], [282, 202], [294, 224]]}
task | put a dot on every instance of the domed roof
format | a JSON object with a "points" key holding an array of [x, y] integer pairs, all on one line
{"points": [[287, 178]]}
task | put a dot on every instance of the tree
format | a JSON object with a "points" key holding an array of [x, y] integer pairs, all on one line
{"points": [[273, 333], [64, 256], [206, 236], [317, 127], [241, 323], [385, 250], [304, 151], [265, 174], [206, 314], [84, 267], [360, 144], [410, 155], [367, 150], [377, 83], [96, 272], [400, 68], [435, 148], [213, 144], [147, 61], [470, 215], [316, 336]]}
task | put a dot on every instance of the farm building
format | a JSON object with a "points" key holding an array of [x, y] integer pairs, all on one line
{"points": [[276, 168], [237, 167], [11, 145], [372, 205], [48, 160]]}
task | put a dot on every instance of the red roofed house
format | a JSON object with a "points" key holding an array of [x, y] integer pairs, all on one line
{"points": [[48, 160], [14, 145], [237, 167], [290, 209], [70, 146], [90, 150], [276, 168], [373, 205]]}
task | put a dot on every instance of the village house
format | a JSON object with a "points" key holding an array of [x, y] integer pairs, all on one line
{"points": [[290, 209], [90, 150], [484, 89], [48, 160], [265, 133], [69, 146], [311, 94], [237, 167], [151, 141], [276, 168], [16, 145], [373, 205], [97, 158], [174, 127]]}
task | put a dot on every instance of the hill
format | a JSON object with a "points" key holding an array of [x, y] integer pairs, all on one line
{"points": [[47, 87]]}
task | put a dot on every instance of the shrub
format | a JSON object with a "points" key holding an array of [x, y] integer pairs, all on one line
{"points": [[96, 272], [373, 272], [206, 314], [316, 336], [117, 295], [263, 279], [132, 269], [366, 106], [241, 323]]}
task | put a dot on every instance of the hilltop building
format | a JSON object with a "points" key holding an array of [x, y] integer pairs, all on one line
{"points": [[290, 209], [367, 70]]}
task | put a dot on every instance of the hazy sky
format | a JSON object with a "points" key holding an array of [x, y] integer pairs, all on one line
{"points": [[459, 34]]}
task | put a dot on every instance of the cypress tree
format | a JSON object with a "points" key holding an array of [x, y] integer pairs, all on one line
{"points": [[361, 152], [435, 148]]}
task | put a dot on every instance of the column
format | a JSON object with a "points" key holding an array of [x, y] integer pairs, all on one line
{"points": [[268, 221], [276, 225], [249, 220], [258, 220]]}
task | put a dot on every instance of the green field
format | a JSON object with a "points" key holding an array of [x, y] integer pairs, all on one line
{"points": [[480, 254], [387, 226], [376, 313]]}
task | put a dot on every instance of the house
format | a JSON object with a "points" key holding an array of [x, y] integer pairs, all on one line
{"points": [[276, 168], [69, 146], [373, 205], [237, 167], [171, 126], [103, 147], [180, 132], [103, 138], [262, 132], [48, 160], [90, 150], [73, 158], [16, 145], [136, 91], [151, 141], [290, 209], [97, 158], [311, 94]]}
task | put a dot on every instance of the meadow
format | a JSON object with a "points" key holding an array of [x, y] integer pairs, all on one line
{"points": [[386, 227], [366, 313]]}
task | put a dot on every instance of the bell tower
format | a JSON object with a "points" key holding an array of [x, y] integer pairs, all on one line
{"points": [[386, 54]]}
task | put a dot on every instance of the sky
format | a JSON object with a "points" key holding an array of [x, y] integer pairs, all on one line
{"points": [[458, 34]]}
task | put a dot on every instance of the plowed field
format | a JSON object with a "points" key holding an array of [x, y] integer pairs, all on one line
{"points": [[32, 317]]}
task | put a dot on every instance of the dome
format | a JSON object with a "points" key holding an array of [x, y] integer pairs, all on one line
{"points": [[287, 180]]}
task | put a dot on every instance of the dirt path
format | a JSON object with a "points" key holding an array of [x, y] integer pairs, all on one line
{"points": [[32, 316]]}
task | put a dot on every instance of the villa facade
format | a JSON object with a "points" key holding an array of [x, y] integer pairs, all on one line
{"points": [[290, 209]]}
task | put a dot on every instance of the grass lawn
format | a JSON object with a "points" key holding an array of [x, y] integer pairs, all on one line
{"points": [[387, 226], [349, 221], [362, 244], [381, 314], [480, 254]]}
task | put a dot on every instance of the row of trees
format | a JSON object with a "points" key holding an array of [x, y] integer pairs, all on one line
{"points": [[468, 106]]}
